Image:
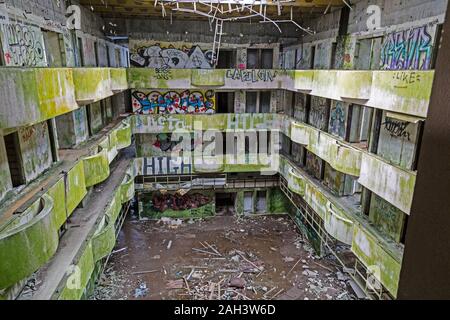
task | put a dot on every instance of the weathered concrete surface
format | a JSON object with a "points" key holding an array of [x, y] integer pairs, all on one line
{"points": [[81, 225]]}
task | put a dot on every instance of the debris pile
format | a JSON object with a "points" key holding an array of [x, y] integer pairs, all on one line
{"points": [[225, 258], [177, 202], [222, 276]]}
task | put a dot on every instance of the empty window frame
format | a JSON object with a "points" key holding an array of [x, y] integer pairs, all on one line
{"points": [[258, 101], [259, 58]]}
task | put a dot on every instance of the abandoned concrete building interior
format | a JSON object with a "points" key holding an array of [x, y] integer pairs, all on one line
{"points": [[215, 150]]}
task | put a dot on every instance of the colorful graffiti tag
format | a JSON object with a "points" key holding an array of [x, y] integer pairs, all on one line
{"points": [[161, 55], [23, 45], [164, 143], [173, 102], [177, 202], [409, 49]]}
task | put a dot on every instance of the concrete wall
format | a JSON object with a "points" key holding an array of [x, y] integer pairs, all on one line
{"points": [[35, 150], [199, 31], [95, 117], [26, 20], [394, 13], [398, 141], [319, 113], [5, 177], [72, 128]]}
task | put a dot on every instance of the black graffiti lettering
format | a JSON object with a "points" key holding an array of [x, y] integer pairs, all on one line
{"points": [[397, 128], [24, 46], [251, 75]]}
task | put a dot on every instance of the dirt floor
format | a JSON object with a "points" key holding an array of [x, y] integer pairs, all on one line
{"points": [[219, 258]]}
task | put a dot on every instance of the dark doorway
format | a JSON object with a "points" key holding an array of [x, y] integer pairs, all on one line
{"points": [[227, 59], [266, 58], [14, 159], [225, 102], [225, 204]]}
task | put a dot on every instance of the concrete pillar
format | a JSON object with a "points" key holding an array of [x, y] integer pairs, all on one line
{"points": [[426, 261]]}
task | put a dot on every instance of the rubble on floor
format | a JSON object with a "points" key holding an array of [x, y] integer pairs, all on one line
{"points": [[224, 258]]}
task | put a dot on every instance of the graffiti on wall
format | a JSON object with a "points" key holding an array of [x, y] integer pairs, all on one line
{"points": [[171, 102], [163, 73], [338, 116], [397, 128], [409, 49], [163, 143], [177, 202], [387, 218], [314, 165], [69, 49], [167, 55], [89, 56], [23, 45], [300, 106], [166, 165], [35, 149], [318, 115], [80, 125], [251, 75]]}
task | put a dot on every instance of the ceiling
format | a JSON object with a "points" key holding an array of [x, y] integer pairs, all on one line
{"points": [[297, 9]]}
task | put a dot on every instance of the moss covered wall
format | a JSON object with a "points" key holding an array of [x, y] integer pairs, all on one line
{"points": [[29, 240], [5, 176], [386, 218]]}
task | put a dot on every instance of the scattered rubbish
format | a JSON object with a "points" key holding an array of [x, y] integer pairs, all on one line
{"points": [[119, 250], [142, 291], [222, 264], [235, 258], [294, 266], [144, 272], [357, 290], [237, 283], [341, 277], [171, 222], [175, 284]]}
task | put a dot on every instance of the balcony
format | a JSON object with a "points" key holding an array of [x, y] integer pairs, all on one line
{"points": [[99, 245], [32, 95], [119, 81], [405, 92], [27, 243], [343, 223], [30, 236], [341, 156], [92, 84], [96, 168], [390, 182], [230, 79], [39, 94], [384, 264]]}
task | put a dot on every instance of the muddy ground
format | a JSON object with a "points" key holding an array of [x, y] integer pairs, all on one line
{"points": [[219, 258]]}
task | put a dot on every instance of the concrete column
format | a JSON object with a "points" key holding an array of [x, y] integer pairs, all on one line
{"points": [[426, 261]]}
